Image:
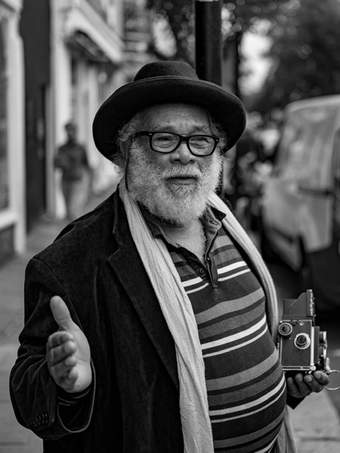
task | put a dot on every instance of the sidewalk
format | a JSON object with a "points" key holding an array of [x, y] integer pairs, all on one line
{"points": [[317, 425], [13, 437], [316, 421]]}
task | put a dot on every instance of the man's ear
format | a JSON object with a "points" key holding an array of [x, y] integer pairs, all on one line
{"points": [[125, 148], [125, 153], [224, 146], [121, 153]]}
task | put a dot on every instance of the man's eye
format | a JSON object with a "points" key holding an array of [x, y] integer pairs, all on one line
{"points": [[164, 139], [200, 140]]}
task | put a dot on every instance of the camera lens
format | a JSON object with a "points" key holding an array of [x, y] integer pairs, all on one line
{"points": [[285, 329], [302, 341]]}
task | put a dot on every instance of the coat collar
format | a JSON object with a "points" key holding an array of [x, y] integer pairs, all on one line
{"points": [[129, 269]]}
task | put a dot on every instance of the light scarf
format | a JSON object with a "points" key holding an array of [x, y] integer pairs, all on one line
{"points": [[180, 318]]}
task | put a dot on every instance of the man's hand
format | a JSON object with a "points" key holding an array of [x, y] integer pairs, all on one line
{"points": [[302, 385], [67, 351]]}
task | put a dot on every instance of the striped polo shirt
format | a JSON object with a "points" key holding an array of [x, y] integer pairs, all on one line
{"points": [[245, 383]]}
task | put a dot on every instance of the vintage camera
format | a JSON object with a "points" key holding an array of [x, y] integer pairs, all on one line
{"points": [[302, 346]]}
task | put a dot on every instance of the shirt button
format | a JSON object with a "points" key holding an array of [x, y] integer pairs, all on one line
{"points": [[201, 272]]}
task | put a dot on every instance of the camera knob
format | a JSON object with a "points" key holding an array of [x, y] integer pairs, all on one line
{"points": [[285, 329], [323, 348], [302, 341], [323, 338]]}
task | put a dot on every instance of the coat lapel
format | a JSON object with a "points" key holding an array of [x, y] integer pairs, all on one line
{"points": [[129, 269]]}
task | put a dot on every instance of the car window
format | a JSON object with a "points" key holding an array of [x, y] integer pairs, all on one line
{"points": [[336, 164], [306, 144]]}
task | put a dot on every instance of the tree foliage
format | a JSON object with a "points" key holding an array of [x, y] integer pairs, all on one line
{"points": [[244, 14], [304, 34], [178, 15], [305, 40], [238, 15]]}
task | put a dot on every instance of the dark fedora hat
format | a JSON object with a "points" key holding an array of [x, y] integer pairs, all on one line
{"points": [[163, 82]]}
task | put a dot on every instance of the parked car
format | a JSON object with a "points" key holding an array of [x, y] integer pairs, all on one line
{"points": [[301, 199]]}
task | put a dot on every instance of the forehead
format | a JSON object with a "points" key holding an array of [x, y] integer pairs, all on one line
{"points": [[176, 115]]}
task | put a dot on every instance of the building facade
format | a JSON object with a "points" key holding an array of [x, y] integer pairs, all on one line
{"points": [[12, 159], [58, 61], [137, 36], [35, 31], [86, 66], [73, 60]]}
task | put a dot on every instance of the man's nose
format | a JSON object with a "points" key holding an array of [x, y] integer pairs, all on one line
{"points": [[183, 154]]}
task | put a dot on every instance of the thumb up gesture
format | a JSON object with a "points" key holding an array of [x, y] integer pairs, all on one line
{"points": [[67, 351]]}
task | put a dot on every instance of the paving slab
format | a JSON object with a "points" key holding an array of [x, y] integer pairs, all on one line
{"points": [[317, 425], [14, 438]]}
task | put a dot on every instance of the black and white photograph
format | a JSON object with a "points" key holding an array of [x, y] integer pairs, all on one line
{"points": [[169, 226]]}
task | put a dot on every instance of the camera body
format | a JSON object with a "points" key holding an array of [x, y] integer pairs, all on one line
{"points": [[302, 346]]}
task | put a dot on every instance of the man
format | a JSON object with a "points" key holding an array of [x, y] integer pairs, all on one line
{"points": [[72, 160], [150, 322]]}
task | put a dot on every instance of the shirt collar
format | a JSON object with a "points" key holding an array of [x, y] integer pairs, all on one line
{"points": [[211, 220]]}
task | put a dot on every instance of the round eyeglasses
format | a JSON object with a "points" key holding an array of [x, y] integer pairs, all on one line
{"points": [[166, 142]]}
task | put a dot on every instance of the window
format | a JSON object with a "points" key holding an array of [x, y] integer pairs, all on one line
{"points": [[336, 166]]}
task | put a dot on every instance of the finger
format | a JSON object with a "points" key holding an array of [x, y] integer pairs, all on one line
{"points": [[316, 387], [68, 382], [61, 313], [320, 380], [321, 377], [292, 388], [61, 370], [303, 386], [308, 380], [290, 384], [72, 375], [296, 387], [61, 353], [58, 338]]}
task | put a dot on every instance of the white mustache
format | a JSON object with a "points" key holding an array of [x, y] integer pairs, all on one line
{"points": [[180, 172]]}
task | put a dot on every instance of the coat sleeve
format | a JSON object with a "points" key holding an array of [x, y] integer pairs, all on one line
{"points": [[34, 394]]}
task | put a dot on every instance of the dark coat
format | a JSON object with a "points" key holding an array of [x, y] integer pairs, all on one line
{"points": [[95, 268]]}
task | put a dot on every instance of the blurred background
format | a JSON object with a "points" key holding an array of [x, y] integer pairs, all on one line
{"points": [[59, 59]]}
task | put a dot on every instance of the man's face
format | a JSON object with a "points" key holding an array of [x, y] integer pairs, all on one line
{"points": [[173, 186], [71, 131]]}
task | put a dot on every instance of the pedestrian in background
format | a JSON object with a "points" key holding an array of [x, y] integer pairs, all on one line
{"points": [[151, 322], [71, 159]]}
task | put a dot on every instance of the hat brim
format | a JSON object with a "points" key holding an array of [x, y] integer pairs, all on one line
{"points": [[133, 97]]}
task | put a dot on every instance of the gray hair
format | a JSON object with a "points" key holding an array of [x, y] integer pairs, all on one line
{"points": [[125, 133], [217, 129], [123, 140]]}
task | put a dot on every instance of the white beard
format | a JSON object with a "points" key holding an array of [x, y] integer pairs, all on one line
{"points": [[174, 204]]}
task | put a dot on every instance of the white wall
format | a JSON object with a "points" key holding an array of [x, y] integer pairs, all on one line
{"points": [[15, 215], [60, 108]]}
